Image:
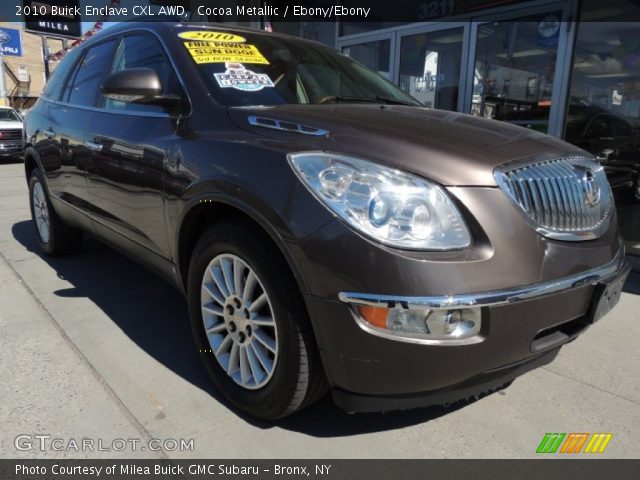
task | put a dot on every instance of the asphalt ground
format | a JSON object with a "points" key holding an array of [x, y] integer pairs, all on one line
{"points": [[94, 346]]}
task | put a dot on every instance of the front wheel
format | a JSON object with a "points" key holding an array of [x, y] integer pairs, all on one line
{"points": [[250, 323]]}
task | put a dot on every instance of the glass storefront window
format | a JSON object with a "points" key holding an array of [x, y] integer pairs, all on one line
{"points": [[323, 32], [603, 113], [350, 28], [375, 55], [430, 67], [514, 70]]}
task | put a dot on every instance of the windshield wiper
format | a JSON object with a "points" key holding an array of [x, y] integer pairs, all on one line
{"points": [[376, 99]]}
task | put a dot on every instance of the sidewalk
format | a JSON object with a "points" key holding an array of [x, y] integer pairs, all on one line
{"points": [[48, 386]]}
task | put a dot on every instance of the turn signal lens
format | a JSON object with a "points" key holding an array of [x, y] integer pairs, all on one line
{"points": [[376, 316]]}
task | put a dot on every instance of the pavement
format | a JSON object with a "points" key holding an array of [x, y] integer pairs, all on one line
{"points": [[93, 346]]}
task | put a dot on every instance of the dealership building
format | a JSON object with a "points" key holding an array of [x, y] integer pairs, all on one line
{"points": [[24, 67]]}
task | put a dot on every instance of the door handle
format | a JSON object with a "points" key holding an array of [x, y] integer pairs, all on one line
{"points": [[96, 147]]}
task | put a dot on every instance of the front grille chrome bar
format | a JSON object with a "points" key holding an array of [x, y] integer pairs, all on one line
{"points": [[566, 198]]}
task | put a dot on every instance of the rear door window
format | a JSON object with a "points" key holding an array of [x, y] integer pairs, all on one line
{"points": [[55, 83]]}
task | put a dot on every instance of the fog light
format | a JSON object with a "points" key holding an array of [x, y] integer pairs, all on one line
{"points": [[438, 325], [443, 324]]}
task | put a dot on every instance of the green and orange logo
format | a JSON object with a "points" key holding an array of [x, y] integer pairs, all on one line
{"points": [[573, 442]]}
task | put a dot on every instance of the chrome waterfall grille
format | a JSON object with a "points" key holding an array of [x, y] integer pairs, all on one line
{"points": [[566, 198]]}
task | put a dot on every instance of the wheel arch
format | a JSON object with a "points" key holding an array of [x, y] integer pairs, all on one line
{"points": [[31, 161], [206, 209]]}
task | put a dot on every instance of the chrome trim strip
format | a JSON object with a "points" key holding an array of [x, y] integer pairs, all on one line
{"points": [[134, 113], [494, 297], [285, 126]]}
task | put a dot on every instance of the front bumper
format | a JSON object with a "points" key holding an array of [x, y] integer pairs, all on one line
{"points": [[11, 148], [484, 383], [522, 328]]}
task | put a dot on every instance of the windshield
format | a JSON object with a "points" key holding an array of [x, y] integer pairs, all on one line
{"points": [[7, 115], [256, 69]]}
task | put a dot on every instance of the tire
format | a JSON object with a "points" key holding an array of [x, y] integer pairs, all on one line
{"points": [[293, 378], [635, 193], [54, 237]]}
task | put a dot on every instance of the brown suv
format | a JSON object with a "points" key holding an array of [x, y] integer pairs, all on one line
{"points": [[328, 231]]}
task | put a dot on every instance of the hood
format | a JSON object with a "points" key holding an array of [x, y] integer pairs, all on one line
{"points": [[10, 125], [454, 149]]}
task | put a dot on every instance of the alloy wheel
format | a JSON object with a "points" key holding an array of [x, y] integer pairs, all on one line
{"points": [[238, 321], [41, 212]]}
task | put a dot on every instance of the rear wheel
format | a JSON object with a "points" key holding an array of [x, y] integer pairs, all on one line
{"points": [[54, 237], [250, 323]]}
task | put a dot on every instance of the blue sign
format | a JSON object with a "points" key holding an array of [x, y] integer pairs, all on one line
{"points": [[549, 30], [13, 44]]}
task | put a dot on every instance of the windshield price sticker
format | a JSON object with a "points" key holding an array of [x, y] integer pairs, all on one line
{"points": [[212, 36], [238, 77], [222, 52]]}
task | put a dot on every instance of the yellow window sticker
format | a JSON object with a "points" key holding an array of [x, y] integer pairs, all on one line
{"points": [[211, 36], [222, 52]]}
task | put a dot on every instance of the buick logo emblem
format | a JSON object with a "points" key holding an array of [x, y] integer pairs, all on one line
{"points": [[589, 185]]}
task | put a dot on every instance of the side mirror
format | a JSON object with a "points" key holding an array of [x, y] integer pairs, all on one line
{"points": [[137, 85]]}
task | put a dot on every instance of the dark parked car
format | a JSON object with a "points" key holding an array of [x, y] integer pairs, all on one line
{"points": [[328, 231]]}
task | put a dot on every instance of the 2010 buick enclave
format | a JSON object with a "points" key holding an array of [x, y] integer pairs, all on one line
{"points": [[328, 231]]}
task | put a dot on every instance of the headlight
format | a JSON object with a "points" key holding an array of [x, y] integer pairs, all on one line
{"points": [[393, 207]]}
